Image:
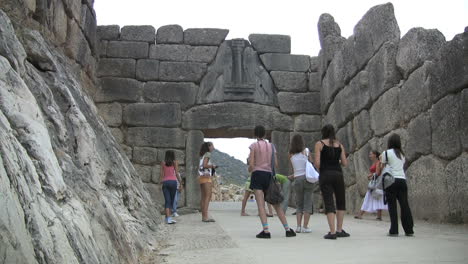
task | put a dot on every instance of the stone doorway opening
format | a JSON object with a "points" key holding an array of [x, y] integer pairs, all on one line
{"points": [[230, 179]]}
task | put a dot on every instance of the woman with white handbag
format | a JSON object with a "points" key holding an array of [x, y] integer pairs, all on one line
{"points": [[373, 201], [394, 158], [298, 156]]}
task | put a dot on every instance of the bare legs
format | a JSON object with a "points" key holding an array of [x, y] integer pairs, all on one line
{"points": [[244, 203], [259, 196], [205, 199], [306, 219]]}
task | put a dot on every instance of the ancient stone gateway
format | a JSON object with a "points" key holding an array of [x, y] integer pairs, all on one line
{"points": [[199, 85], [170, 88]]}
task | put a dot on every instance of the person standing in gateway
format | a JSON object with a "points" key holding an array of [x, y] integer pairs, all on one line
{"points": [[330, 155], [260, 164]]}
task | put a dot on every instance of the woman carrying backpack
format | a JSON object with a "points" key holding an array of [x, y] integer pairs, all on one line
{"points": [[394, 157]]}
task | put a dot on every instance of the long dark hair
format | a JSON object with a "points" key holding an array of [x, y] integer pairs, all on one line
{"points": [[328, 132], [297, 144], [259, 131], [376, 153], [205, 147], [169, 158], [394, 142]]}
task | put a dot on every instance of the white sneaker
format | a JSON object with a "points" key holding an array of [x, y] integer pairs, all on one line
{"points": [[306, 230], [175, 215], [298, 229]]}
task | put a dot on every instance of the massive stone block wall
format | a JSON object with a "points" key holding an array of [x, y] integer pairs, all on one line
{"points": [[375, 83], [168, 88]]}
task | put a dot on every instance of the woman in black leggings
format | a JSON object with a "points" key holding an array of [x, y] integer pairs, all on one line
{"points": [[330, 155]]}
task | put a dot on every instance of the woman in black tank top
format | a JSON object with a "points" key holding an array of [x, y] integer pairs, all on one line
{"points": [[329, 157]]}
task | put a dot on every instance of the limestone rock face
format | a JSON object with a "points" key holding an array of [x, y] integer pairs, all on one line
{"points": [[70, 194]]}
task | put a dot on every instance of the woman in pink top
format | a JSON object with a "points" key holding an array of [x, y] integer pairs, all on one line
{"points": [[169, 175], [260, 166]]}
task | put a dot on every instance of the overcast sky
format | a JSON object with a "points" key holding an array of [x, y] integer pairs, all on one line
{"points": [[296, 18]]}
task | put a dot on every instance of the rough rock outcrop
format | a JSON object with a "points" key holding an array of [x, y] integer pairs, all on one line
{"points": [[69, 194]]}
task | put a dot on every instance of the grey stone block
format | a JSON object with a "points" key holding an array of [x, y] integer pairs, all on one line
{"points": [[346, 137], [147, 70], [170, 34], [285, 62], [452, 68], [333, 81], [327, 27], [264, 43], [145, 156], [205, 36], [179, 156], [377, 26], [383, 73], [349, 175], [445, 122], [354, 97], [89, 26], [281, 141], [156, 137], [149, 114], [353, 199], [419, 137], [118, 135], [144, 172], [127, 49], [427, 188], [385, 114], [314, 64], [362, 164], [239, 115], [335, 116], [156, 178], [310, 138], [77, 46], [362, 128], [181, 71], [170, 52], [102, 48], [464, 119], [118, 90], [110, 32], [415, 94], [299, 103], [457, 189], [332, 45], [416, 47], [194, 141], [116, 68], [182, 93], [202, 54], [290, 81], [221, 75], [315, 83], [127, 150], [111, 113], [307, 123], [138, 33], [71, 7]]}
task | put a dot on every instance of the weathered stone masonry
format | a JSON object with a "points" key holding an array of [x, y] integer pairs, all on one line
{"points": [[168, 89], [375, 84], [369, 85]]}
